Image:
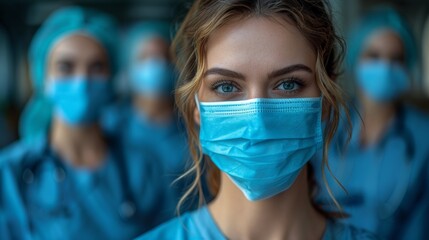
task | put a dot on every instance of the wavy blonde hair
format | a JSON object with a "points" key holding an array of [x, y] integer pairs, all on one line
{"points": [[311, 17]]}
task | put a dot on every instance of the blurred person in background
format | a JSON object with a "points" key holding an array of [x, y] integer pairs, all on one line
{"points": [[65, 179], [384, 167], [147, 117]]}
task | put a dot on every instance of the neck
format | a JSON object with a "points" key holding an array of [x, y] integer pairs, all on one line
{"points": [[288, 215], [375, 116], [81, 146], [156, 109]]}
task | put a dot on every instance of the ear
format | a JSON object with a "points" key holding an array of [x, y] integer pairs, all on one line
{"points": [[197, 118]]}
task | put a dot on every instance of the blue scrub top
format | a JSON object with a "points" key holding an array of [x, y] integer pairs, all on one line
{"points": [[167, 141], [42, 197], [387, 183], [201, 225]]}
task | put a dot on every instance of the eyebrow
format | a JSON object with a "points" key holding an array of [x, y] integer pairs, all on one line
{"points": [[224, 72], [64, 58], [64, 61], [290, 69], [71, 59], [276, 73]]}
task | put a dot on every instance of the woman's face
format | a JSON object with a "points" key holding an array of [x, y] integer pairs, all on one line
{"points": [[383, 45], [78, 55], [258, 58]]}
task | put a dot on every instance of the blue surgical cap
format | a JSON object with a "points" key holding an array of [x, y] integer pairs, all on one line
{"points": [[382, 18], [141, 32], [64, 22]]}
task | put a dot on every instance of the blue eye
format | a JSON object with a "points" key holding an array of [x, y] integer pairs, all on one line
{"points": [[224, 88], [289, 86]]}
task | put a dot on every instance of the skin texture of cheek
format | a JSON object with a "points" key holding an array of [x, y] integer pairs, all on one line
{"points": [[81, 52], [255, 47]]}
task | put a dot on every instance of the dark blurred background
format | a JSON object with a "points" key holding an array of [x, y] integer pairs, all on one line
{"points": [[19, 19]]}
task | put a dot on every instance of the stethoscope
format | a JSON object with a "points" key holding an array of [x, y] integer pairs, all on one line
{"points": [[127, 209], [392, 204]]}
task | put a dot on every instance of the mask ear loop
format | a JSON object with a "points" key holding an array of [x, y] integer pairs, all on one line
{"points": [[197, 102]]}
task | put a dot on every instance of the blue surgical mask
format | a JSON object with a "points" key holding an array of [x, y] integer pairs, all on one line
{"points": [[152, 77], [261, 144], [78, 100], [382, 81]]}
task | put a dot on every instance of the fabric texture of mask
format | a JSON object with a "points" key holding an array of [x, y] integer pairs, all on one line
{"points": [[152, 77], [261, 144], [382, 81], [78, 100]]}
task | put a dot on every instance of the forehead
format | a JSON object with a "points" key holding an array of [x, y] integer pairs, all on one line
{"points": [[151, 44], [258, 41], [384, 40], [78, 46]]}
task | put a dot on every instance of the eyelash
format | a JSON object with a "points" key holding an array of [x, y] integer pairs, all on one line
{"points": [[295, 80], [217, 84]]}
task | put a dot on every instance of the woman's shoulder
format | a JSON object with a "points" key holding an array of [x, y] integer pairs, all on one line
{"points": [[177, 228], [339, 230], [198, 224]]}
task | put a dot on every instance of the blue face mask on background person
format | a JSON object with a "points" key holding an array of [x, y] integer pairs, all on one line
{"points": [[261, 144], [153, 77], [382, 81], [78, 100]]}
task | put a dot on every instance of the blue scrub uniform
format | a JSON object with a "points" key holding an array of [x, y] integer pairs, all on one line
{"points": [[201, 225], [167, 141], [42, 197], [387, 183]]}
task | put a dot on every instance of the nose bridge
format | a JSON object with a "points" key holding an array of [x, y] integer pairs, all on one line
{"points": [[81, 70], [257, 89]]}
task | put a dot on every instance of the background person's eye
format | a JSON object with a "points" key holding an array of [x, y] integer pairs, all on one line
{"points": [[65, 68], [373, 56], [98, 68], [398, 60]]}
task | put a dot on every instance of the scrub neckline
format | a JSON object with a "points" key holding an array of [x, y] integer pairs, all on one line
{"points": [[357, 128], [206, 224], [208, 227]]}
